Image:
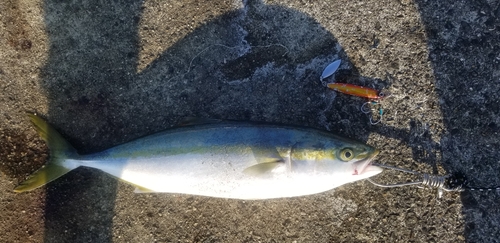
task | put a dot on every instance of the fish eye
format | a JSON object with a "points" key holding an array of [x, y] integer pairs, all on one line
{"points": [[346, 154]]}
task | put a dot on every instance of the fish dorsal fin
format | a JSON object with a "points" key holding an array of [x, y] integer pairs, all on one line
{"points": [[190, 121]]}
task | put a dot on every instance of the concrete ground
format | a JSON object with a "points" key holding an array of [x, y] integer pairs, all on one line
{"points": [[107, 72]]}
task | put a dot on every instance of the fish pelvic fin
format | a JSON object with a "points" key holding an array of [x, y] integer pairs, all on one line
{"points": [[60, 153]]}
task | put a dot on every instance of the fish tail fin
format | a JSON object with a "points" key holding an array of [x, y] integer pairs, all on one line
{"points": [[60, 152]]}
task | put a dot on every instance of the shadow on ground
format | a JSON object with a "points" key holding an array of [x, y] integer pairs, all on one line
{"points": [[256, 63], [262, 63], [92, 56], [465, 54]]}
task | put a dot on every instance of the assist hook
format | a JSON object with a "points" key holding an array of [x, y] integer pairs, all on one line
{"points": [[448, 183]]}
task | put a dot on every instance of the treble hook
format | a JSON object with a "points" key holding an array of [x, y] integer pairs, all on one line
{"points": [[367, 111]]}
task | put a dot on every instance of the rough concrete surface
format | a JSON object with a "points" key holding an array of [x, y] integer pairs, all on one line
{"points": [[106, 72]]}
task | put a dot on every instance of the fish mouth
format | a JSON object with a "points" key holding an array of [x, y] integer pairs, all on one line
{"points": [[365, 165]]}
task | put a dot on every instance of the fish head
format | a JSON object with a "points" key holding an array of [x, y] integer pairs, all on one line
{"points": [[338, 159]]}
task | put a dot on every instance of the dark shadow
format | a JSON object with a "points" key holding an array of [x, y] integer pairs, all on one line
{"points": [[93, 53], [463, 41], [418, 138], [260, 63]]}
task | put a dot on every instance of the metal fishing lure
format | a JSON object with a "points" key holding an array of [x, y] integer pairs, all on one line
{"points": [[356, 90], [330, 69], [359, 91], [364, 92]]}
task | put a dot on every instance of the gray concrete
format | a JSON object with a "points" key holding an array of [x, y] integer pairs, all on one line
{"points": [[106, 73]]}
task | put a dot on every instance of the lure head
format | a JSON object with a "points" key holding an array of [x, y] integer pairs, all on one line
{"points": [[335, 161]]}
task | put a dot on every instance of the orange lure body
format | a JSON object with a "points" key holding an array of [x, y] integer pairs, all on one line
{"points": [[355, 90]]}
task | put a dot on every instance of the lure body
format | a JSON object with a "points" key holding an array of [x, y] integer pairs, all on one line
{"points": [[356, 90], [220, 159]]}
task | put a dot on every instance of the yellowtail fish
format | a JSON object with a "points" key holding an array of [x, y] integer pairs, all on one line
{"points": [[219, 159]]}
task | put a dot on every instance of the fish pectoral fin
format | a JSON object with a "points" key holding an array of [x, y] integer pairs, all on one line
{"points": [[262, 168], [266, 155], [140, 189], [267, 159]]}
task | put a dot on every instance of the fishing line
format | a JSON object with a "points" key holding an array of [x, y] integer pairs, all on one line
{"points": [[449, 183], [209, 47]]}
